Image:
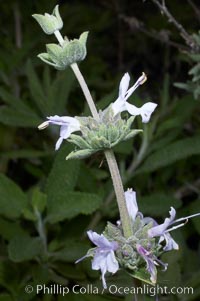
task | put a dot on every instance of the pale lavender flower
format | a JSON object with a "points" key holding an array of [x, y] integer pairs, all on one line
{"points": [[121, 103], [152, 261], [67, 124], [131, 203], [104, 257], [163, 231]]}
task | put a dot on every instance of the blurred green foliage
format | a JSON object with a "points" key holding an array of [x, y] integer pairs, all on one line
{"points": [[48, 203]]}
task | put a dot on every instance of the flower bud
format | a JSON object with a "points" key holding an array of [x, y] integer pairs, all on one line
{"points": [[49, 23]]}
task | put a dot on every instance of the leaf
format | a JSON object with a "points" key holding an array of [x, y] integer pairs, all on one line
{"points": [[7, 270], [13, 117], [5, 297], [23, 248], [73, 251], [66, 205], [195, 208], [9, 229], [172, 276], [13, 200], [70, 271], [25, 153], [142, 275], [171, 153], [158, 204], [36, 89], [58, 90], [80, 154], [63, 175], [39, 200]]}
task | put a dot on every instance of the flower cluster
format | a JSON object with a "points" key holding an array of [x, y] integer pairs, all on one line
{"points": [[139, 252], [110, 129]]}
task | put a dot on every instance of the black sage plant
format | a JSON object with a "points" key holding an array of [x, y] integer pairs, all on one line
{"points": [[135, 242]]}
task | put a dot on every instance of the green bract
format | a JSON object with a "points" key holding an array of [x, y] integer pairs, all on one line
{"points": [[126, 254], [101, 135], [70, 52], [49, 23]]}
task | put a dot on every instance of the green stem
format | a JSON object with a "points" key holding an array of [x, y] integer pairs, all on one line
{"points": [[85, 90], [112, 164], [119, 191], [41, 229]]}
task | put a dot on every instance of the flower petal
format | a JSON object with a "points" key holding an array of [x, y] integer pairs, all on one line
{"points": [[131, 203], [58, 143], [112, 263], [146, 111], [124, 83], [170, 242], [133, 110], [101, 241], [160, 229], [62, 120]]}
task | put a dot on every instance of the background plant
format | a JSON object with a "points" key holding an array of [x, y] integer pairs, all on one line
{"points": [[163, 167]]}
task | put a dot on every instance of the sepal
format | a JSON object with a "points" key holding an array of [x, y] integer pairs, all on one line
{"points": [[103, 134], [60, 57]]}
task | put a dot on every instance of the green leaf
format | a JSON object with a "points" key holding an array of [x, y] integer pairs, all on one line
{"points": [[63, 176], [39, 200], [80, 154], [59, 91], [66, 205], [172, 276], [5, 297], [69, 271], [25, 153], [36, 89], [13, 117], [142, 275], [23, 248], [195, 208], [10, 229], [158, 204], [13, 200], [73, 251], [171, 153]]}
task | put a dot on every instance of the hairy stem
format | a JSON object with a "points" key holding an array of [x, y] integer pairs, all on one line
{"points": [[85, 90], [118, 186], [112, 164], [133, 166]]}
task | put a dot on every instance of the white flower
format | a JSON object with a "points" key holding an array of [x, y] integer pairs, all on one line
{"points": [[104, 256], [121, 103], [67, 124]]}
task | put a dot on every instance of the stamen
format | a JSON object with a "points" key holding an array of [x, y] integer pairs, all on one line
{"points": [[185, 218], [43, 125], [176, 227], [141, 80]]}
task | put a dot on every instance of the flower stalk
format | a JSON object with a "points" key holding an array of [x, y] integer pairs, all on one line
{"points": [[110, 157]]}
